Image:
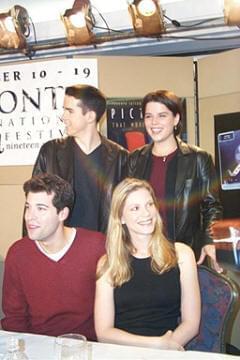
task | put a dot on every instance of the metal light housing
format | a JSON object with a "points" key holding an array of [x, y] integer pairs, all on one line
{"points": [[147, 17], [14, 28], [78, 23]]}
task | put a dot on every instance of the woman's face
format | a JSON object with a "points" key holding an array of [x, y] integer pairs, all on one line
{"points": [[139, 213], [159, 121]]}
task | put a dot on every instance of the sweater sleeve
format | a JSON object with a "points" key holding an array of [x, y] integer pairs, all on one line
{"points": [[14, 303]]}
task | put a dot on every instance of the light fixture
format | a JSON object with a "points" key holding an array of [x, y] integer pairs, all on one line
{"points": [[14, 28], [78, 23], [147, 7], [232, 12], [147, 17]]}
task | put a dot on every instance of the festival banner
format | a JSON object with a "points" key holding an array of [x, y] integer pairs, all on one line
{"points": [[31, 104]]}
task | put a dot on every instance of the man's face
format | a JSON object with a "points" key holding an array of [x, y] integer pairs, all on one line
{"points": [[75, 121], [41, 217]]}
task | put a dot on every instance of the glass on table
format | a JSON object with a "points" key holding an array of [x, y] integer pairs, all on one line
{"points": [[15, 349], [71, 347], [235, 238]]}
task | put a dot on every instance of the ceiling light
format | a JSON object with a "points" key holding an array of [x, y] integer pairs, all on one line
{"points": [[147, 7], [232, 12], [78, 20], [9, 24], [78, 23], [147, 17], [14, 28]]}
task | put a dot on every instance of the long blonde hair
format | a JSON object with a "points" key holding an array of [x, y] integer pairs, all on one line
{"points": [[118, 243]]}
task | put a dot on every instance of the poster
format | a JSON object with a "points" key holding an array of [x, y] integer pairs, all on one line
{"points": [[31, 102], [125, 124], [227, 160]]}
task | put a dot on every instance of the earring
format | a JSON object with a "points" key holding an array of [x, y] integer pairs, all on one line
{"points": [[175, 127]]}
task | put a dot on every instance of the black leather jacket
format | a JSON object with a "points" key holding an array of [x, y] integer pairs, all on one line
{"points": [[194, 195], [56, 157]]}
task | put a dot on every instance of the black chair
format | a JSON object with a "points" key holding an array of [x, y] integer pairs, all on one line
{"points": [[219, 297]]}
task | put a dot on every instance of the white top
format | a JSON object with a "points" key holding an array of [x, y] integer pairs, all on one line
{"points": [[58, 255]]}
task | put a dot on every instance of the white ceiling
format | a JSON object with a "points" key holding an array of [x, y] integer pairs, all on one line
{"points": [[203, 29]]}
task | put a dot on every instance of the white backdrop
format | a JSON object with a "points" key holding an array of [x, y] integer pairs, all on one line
{"points": [[31, 101]]}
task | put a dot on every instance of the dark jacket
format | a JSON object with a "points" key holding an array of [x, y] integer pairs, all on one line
{"points": [[56, 157], [191, 186]]}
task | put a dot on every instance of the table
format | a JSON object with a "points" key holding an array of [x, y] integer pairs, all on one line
{"points": [[40, 347]]}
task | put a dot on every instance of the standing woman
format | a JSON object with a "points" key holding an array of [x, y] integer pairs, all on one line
{"points": [[182, 176], [147, 291]]}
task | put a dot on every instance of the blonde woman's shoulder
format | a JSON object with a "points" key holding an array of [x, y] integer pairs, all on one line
{"points": [[103, 272], [101, 262], [184, 252]]}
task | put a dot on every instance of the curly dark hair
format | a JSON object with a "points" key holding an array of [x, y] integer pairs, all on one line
{"points": [[62, 190]]}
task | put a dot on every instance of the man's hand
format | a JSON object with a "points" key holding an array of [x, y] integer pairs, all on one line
{"points": [[210, 250]]}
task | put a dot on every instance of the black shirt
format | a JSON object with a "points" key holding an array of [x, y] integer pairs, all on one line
{"points": [[149, 303], [87, 188]]}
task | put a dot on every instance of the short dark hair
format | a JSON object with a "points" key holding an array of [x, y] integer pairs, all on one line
{"points": [[62, 190], [170, 100], [90, 98]]}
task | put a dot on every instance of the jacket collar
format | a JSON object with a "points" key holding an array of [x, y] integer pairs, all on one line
{"points": [[183, 147]]}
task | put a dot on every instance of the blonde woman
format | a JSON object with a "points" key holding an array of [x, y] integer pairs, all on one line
{"points": [[145, 284]]}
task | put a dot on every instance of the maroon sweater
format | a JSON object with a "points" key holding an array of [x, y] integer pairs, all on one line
{"points": [[52, 298]]}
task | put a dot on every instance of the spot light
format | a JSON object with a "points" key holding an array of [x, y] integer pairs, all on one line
{"points": [[14, 28], [147, 7], [232, 12], [147, 17], [78, 23]]}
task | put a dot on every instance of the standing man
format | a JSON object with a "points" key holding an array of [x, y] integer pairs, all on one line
{"points": [[49, 277], [93, 164], [182, 176]]}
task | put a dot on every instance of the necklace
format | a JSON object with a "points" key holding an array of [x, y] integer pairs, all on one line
{"points": [[165, 158]]}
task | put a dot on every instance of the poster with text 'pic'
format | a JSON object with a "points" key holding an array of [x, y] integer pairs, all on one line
{"points": [[31, 104]]}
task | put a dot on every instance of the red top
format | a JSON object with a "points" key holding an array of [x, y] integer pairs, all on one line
{"points": [[158, 180], [52, 298]]}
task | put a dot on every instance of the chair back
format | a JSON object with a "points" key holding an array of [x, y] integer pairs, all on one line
{"points": [[219, 298]]}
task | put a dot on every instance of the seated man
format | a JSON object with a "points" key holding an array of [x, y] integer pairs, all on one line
{"points": [[49, 278]]}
